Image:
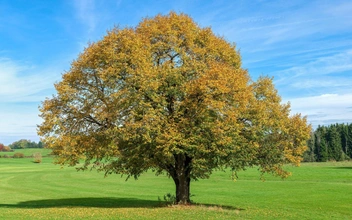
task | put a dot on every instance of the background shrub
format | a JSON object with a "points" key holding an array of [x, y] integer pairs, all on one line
{"points": [[7, 149], [18, 155], [37, 157]]}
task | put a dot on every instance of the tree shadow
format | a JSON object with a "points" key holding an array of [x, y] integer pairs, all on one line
{"points": [[86, 202], [217, 206], [92, 202], [343, 168]]}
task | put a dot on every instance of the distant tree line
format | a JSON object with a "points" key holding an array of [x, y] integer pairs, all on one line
{"points": [[21, 144], [330, 143]]}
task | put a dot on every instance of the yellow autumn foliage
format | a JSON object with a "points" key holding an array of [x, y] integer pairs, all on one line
{"points": [[171, 96]]}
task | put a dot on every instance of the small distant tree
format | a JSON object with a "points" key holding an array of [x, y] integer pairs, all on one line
{"points": [[172, 97], [2, 146]]}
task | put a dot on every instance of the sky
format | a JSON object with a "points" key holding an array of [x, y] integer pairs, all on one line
{"points": [[305, 45]]}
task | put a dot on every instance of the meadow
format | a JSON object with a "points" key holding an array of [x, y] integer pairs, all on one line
{"points": [[28, 152], [46, 191]]}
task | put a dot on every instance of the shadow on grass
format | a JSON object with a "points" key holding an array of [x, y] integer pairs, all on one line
{"points": [[104, 203], [343, 168], [216, 206], [86, 202]]}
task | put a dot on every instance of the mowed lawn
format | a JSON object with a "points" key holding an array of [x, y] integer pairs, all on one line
{"points": [[27, 152], [45, 191]]}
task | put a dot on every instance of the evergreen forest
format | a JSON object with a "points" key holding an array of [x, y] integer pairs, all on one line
{"points": [[330, 143]]}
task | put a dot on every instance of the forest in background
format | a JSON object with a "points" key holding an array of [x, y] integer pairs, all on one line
{"points": [[330, 143]]}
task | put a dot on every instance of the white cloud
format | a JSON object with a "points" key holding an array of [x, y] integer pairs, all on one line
{"points": [[24, 83], [323, 101], [329, 83], [325, 108], [18, 122], [23, 87], [329, 95], [324, 65]]}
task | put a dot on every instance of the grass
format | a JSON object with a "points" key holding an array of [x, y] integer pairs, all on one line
{"points": [[45, 191], [27, 152]]}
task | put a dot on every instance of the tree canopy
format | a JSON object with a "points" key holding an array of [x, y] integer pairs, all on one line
{"points": [[169, 96]]}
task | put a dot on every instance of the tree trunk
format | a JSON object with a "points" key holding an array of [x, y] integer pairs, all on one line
{"points": [[183, 190], [181, 174]]}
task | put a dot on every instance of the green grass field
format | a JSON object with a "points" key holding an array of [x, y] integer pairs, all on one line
{"points": [[28, 152], [45, 191]]}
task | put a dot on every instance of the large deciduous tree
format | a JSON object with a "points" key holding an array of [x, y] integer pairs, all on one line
{"points": [[170, 96]]}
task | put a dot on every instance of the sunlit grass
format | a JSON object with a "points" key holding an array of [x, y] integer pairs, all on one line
{"points": [[27, 152], [45, 191]]}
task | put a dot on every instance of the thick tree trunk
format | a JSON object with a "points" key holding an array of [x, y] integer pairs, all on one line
{"points": [[181, 174], [183, 190]]}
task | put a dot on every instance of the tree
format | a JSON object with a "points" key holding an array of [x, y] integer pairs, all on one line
{"points": [[23, 143], [334, 144], [4, 148], [349, 141], [321, 147], [20, 144], [309, 154], [40, 145], [172, 97]]}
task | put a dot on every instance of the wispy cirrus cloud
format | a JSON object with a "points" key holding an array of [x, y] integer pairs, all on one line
{"points": [[323, 82], [306, 87], [282, 25], [24, 82], [22, 87], [85, 12], [336, 63], [304, 46]]}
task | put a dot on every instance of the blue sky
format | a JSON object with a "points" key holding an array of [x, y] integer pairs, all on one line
{"points": [[305, 45]]}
